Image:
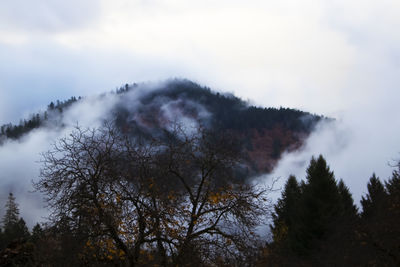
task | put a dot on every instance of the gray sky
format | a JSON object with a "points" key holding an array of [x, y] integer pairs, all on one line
{"points": [[337, 58]]}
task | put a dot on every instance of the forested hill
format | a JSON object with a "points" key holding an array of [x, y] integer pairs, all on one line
{"points": [[147, 109]]}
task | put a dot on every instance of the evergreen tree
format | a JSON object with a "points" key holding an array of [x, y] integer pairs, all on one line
{"points": [[373, 202], [347, 200], [37, 233], [284, 217], [393, 184], [391, 219], [324, 207], [21, 229], [380, 222], [12, 212], [321, 203], [14, 227], [312, 218]]}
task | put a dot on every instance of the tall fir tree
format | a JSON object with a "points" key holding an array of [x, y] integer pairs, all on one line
{"points": [[311, 218], [380, 221], [321, 203], [284, 217], [11, 216], [14, 227], [375, 199], [349, 208]]}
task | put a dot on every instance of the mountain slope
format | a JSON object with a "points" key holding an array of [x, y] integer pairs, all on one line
{"points": [[148, 109]]}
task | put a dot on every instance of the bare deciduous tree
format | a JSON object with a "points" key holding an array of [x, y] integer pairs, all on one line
{"points": [[171, 200]]}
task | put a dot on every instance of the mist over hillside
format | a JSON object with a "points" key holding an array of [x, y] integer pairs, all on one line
{"points": [[147, 110]]}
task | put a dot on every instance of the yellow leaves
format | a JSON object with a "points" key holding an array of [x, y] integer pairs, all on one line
{"points": [[220, 197], [104, 249], [213, 199]]}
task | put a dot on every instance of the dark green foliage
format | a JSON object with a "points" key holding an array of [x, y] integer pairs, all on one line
{"points": [[285, 215], [393, 185], [16, 131], [18, 253], [309, 214], [373, 202], [37, 233], [35, 121], [379, 229], [12, 212], [320, 205], [14, 227], [324, 228], [230, 112], [347, 201]]}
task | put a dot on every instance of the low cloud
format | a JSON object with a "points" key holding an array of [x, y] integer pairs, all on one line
{"points": [[21, 159], [20, 162], [362, 142]]}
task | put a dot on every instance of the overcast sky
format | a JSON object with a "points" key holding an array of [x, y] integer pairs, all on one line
{"points": [[336, 58]]}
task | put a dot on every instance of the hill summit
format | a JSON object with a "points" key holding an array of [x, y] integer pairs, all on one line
{"points": [[148, 110]]}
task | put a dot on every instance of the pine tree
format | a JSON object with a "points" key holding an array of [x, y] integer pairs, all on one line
{"points": [[312, 218], [347, 200], [373, 202], [324, 205], [393, 185], [380, 222], [14, 226], [284, 217], [321, 199], [12, 212], [37, 233]]}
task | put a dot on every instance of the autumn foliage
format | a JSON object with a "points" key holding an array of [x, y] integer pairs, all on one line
{"points": [[160, 200]]}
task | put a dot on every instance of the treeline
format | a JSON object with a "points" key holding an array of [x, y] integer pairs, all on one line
{"points": [[315, 223], [230, 112], [35, 121], [17, 244]]}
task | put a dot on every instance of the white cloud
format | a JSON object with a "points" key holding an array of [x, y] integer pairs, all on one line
{"points": [[20, 159], [46, 16]]}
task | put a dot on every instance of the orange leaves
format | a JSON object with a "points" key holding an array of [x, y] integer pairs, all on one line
{"points": [[102, 249], [220, 197], [213, 199]]}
